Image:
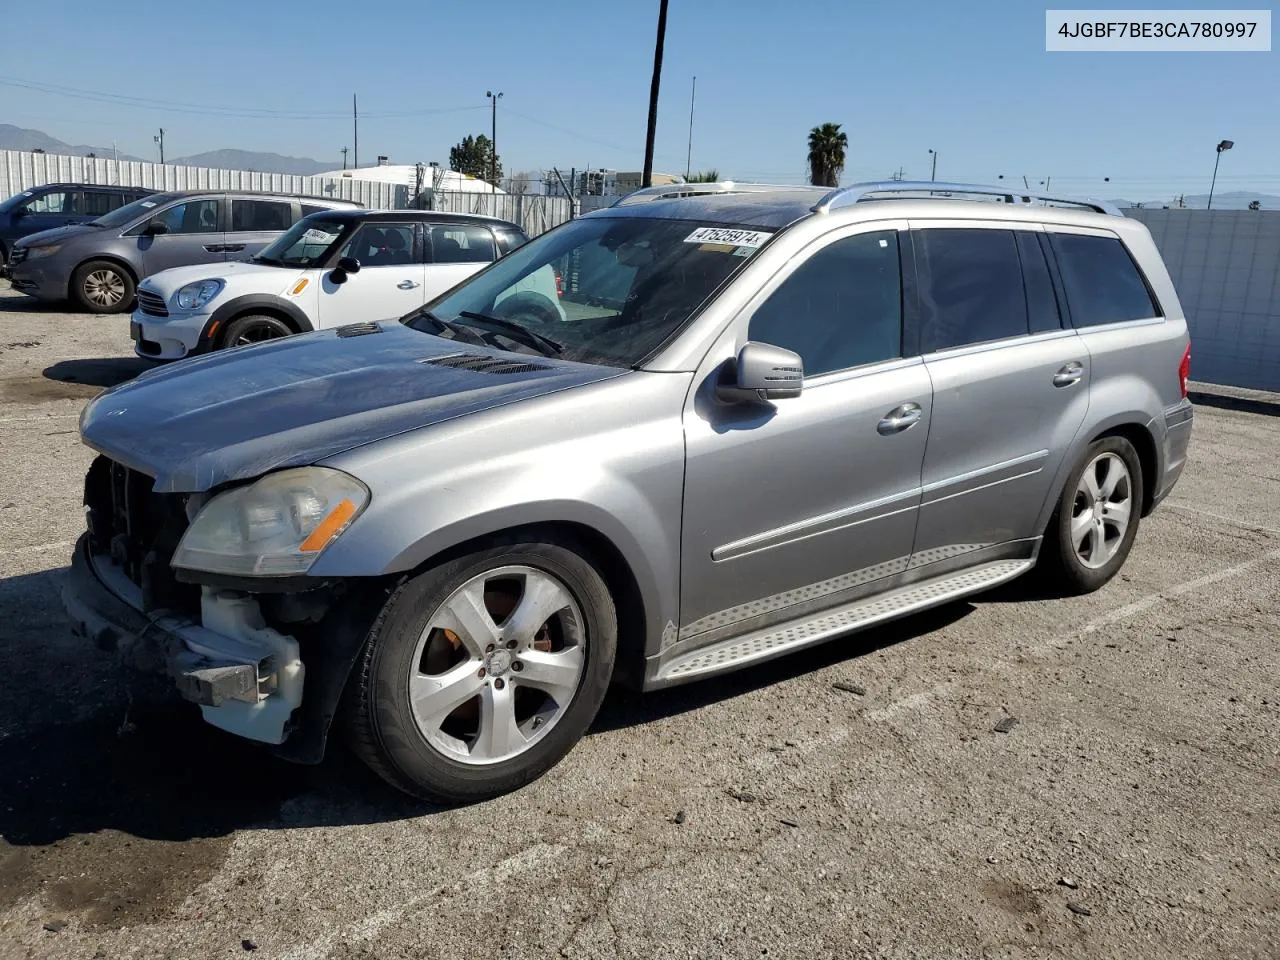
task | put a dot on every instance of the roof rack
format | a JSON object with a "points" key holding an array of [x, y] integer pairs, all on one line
{"points": [[854, 193], [673, 190]]}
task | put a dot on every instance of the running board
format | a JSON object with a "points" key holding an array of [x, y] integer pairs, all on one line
{"points": [[783, 638]]}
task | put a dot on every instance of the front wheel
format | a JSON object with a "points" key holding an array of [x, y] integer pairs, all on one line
{"points": [[254, 328], [1096, 520], [101, 286], [483, 672]]}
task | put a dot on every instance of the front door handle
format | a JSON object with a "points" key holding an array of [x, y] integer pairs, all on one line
{"points": [[214, 247], [1069, 374], [232, 247], [898, 419], [407, 284]]}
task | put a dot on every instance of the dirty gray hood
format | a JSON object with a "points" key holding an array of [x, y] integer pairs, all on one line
{"points": [[235, 414]]}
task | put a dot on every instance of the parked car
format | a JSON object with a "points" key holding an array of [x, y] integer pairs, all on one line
{"points": [[771, 417], [58, 205], [97, 265], [329, 269]]}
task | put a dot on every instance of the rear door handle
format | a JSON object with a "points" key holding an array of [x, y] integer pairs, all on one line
{"points": [[1069, 374], [898, 419], [407, 284]]}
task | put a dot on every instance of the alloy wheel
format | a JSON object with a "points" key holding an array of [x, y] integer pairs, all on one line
{"points": [[104, 288], [1102, 509]]}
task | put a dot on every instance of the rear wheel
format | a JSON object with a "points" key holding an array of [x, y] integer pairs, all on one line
{"points": [[101, 286], [1096, 520], [254, 328], [483, 672]]}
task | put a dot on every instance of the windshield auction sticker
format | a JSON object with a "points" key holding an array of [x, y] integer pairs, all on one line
{"points": [[728, 237], [1134, 31]]}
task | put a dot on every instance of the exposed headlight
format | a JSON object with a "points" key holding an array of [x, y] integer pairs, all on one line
{"points": [[35, 253], [195, 295], [273, 527]]}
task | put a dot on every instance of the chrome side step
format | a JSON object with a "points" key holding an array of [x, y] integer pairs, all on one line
{"points": [[777, 640]]}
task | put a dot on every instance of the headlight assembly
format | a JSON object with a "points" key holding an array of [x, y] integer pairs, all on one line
{"points": [[48, 250], [195, 295], [276, 526]]}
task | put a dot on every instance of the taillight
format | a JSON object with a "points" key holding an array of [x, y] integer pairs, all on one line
{"points": [[1184, 371], [559, 283]]}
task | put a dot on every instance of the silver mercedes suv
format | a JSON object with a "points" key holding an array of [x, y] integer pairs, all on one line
{"points": [[752, 419]]}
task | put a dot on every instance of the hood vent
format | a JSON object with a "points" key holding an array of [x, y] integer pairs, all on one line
{"points": [[358, 329], [483, 363]]}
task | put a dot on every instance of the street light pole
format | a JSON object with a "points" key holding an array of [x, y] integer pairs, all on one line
{"points": [[934, 173], [493, 143], [647, 179], [1223, 145]]}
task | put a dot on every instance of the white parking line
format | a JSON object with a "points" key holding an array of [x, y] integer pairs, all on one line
{"points": [[56, 416], [37, 548], [1244, 524]]}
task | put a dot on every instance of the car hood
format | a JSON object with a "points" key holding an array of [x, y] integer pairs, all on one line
{"points": [[56, 234], [236, 414], [268, 278]]}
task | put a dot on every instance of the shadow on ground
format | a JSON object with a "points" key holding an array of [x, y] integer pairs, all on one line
{"points": [[100, 372], [1267, 408]]}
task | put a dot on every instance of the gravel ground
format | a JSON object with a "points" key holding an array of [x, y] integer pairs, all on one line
{"points": [[1131, 811]]}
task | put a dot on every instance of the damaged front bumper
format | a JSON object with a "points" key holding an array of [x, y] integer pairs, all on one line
{"points": [[246, 677]]}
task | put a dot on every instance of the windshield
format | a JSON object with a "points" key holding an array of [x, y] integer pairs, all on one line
{"points": [[604, 289], [305, 243], [16, 200], [132, 211]]}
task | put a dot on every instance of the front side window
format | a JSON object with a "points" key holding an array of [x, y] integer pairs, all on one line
{"points": [[461, 243], [378, 244], [194, 216], [605, 289], [58, 201], [841, 308], [1102, 282], [256, 215], [305, 244], [971, 287]]}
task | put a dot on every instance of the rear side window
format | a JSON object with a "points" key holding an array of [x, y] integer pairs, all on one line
{"points": [[841, 308], [1102, 282], [247, 215], [971, 288], [1042, 305], [461, 243], [309, 208], [98, 202], [508, 240]]}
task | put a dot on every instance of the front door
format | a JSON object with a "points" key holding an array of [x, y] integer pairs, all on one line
{"points": [[455, 251], [1010, 385], [194, 235], [389, 283], [802, 503], [57, 208]]}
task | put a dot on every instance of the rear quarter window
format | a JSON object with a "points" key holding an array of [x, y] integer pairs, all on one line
{"points": [[1102, 282]]}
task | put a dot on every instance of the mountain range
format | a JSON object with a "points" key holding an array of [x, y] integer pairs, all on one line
{"points": [[21, 138]]}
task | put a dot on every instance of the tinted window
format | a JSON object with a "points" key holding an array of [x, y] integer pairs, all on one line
{"points": [[194, 216], [382, 245], [59, 201], [970, 287], [310, 208], [249, 215], [1042, 306], [461, 243], [1102, 282], [841, 308], [508, 240], [98, 202], [133, 211]]}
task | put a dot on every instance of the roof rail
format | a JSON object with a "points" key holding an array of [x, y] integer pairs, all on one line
{"points": [[848, 196], [672, 190]]}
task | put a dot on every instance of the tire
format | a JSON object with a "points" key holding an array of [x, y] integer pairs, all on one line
{"points": [[254, 328], [446, 747], [101, 286], [1073, 559]]}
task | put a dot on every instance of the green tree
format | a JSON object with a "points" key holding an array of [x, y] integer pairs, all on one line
{"points": [[705, 176], [1255, 204], [474, 155], [827, 149]]}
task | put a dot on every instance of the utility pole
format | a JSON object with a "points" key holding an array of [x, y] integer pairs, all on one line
{"points": [[160, 140], [647, 178], [355, 132], [1223, 145], [897, 174], [688, 160], [493, 140], [344, 158], [934, 174]]}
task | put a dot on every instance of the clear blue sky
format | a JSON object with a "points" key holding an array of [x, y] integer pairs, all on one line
{"points": [[971, 80]]}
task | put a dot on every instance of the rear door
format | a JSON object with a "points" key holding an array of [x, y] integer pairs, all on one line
{"points": [[389, 283], [254, 223], [454, 252], [1010, 384], [193, 235]]}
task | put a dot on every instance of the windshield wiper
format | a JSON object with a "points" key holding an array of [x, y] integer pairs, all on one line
{"points": [[269, 261], [458, 330], [545, 345]]}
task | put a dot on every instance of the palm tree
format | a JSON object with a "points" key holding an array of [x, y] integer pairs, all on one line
{"points": [[827, 148], [704, 176]]}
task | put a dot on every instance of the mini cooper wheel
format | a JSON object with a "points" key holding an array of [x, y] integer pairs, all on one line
{"points": [[482, 673], [255, 328], [1096, 520], [100, 286]]}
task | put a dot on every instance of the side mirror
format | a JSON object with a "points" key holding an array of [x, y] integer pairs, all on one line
{"points": [[345, 266], [762, 372], [155, 227], [19, 212]]}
